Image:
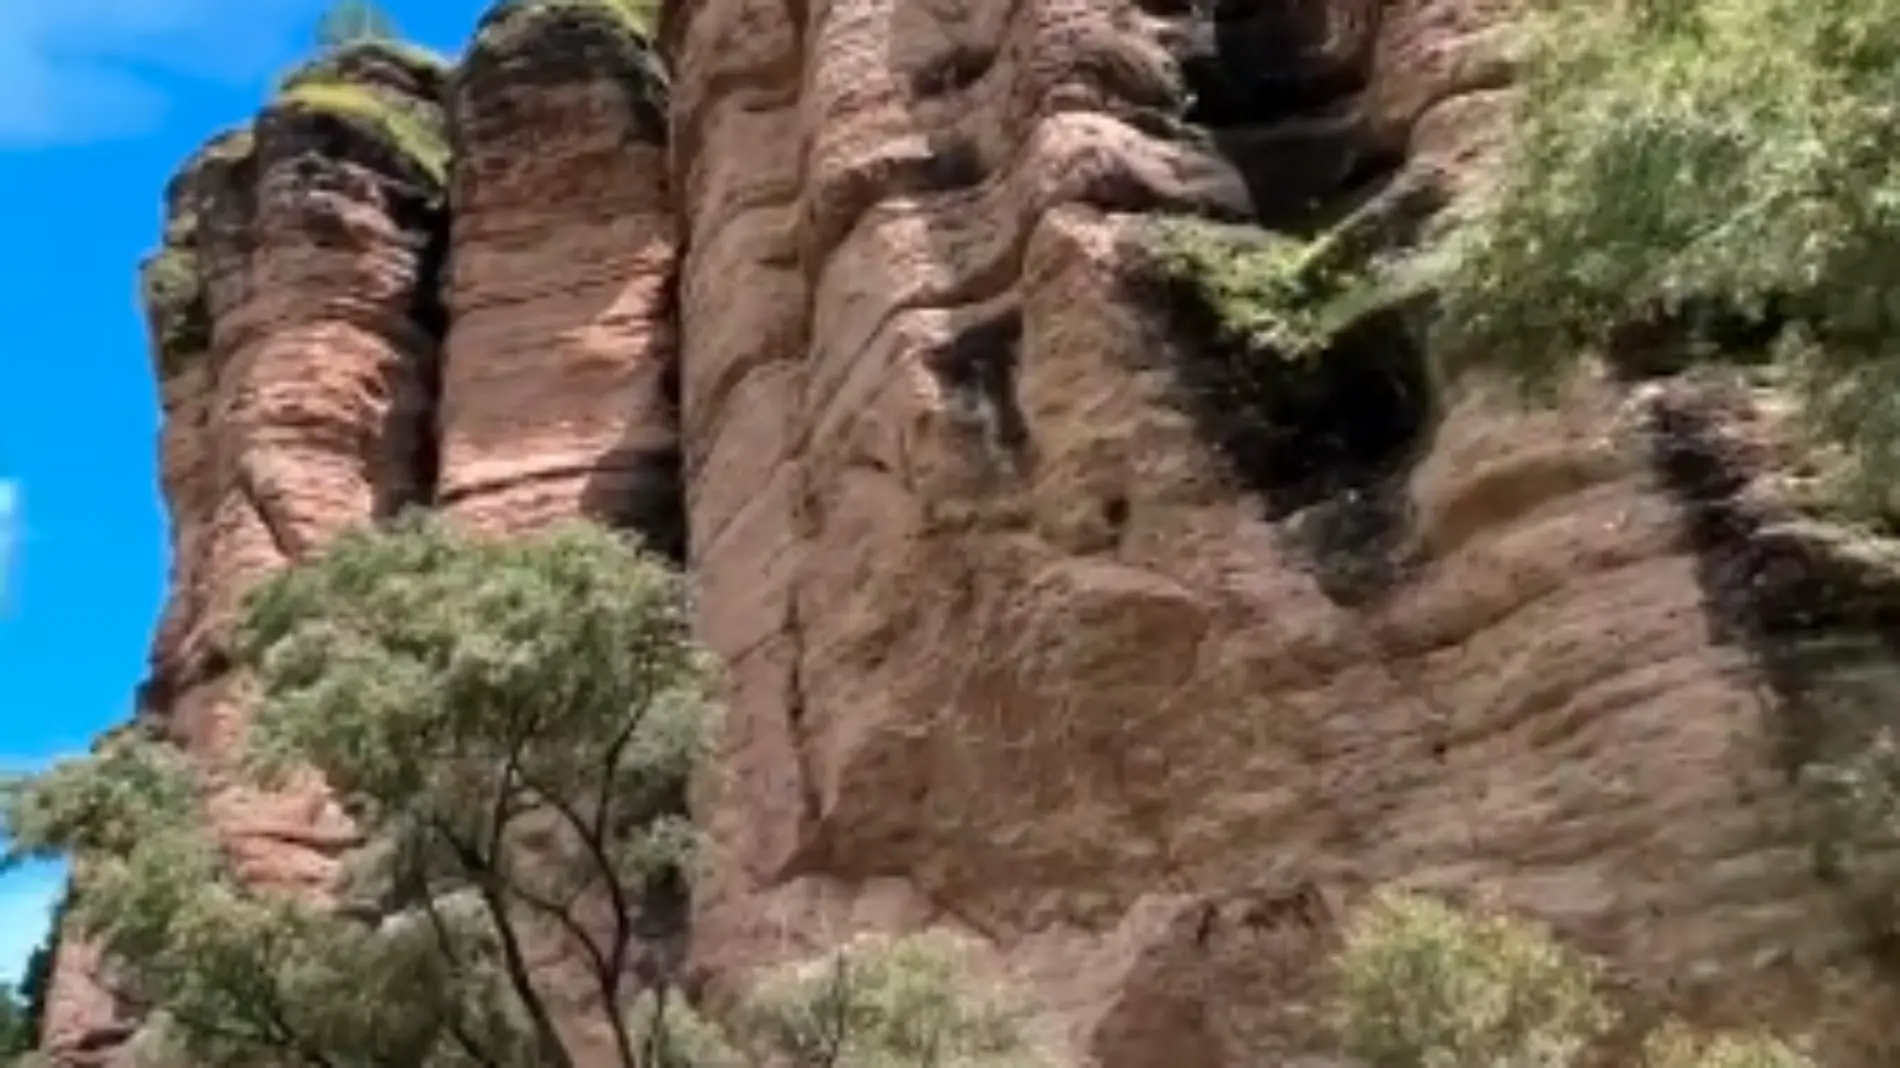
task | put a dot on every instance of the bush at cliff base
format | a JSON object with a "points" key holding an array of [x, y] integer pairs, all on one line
{"points": [[471, 704], [1422, 984], [1730, 167]]}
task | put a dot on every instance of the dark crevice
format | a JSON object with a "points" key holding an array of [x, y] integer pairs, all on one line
{"points": [[1669, 342], [955, 162], [978, 370], [650, 500], [1277, 85], [1297, 430], [429, 311], [1796, 608], [955, 70], [1259, 62]]}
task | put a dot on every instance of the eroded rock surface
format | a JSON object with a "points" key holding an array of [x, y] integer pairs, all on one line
{"points": [[558, 382], [1014, 649], [296, 370], [857, 314]]}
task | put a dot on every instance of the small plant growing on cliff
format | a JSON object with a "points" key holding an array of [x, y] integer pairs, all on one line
{"points": [[1270, 291], [1424, 985], [511, 725]]}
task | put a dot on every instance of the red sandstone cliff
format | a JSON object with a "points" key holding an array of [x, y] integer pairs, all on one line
{"points": [[856, 320]]}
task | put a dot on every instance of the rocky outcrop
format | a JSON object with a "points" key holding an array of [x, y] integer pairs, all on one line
{"points": [[1052, 613], [559, 379], [559, 375], [295, 333]]}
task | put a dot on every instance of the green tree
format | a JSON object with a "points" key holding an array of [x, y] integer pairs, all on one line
{"points": [[511, 724], [1702, 179], [349, 22]]}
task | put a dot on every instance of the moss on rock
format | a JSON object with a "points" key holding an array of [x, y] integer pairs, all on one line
{"points": [[416, 132]]}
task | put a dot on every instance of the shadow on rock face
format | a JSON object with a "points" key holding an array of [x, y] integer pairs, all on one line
{"points": [[1816, 609]]}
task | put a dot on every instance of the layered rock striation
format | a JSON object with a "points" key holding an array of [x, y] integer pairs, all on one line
{"points": [[1053, 612]]}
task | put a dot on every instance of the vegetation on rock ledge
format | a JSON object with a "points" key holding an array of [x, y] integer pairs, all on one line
{"points": [[406, 129], [1726, 172], [1273, 292]]}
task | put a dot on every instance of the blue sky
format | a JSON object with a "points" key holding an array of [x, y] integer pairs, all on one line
{"points": [[99, 100]]}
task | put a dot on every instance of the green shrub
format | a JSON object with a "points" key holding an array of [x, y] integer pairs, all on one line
{"points": [[1424, 985], [1673, 1046], [171, 288], [1728, 169], [887, 1003], [1269, 291]]}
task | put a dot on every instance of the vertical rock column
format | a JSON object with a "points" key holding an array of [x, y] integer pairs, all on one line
{"points": [[291, 311], [557, 386]]}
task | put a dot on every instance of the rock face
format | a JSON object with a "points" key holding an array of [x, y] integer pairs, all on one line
{"points": [[1030, 658], [296, 344], [559, 379], [1027, 634]]}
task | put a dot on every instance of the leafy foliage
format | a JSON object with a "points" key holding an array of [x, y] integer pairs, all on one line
{"points": [[1424, 985], [511, 724], [1728, 169], [887, 1003], [1673, 1046], [1271, 291]]}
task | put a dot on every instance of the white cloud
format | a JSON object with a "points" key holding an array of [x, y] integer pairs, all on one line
{"points": [[73, 71]]}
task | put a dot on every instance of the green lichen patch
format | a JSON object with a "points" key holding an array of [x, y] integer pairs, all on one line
{"points": [[415, 132]]}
